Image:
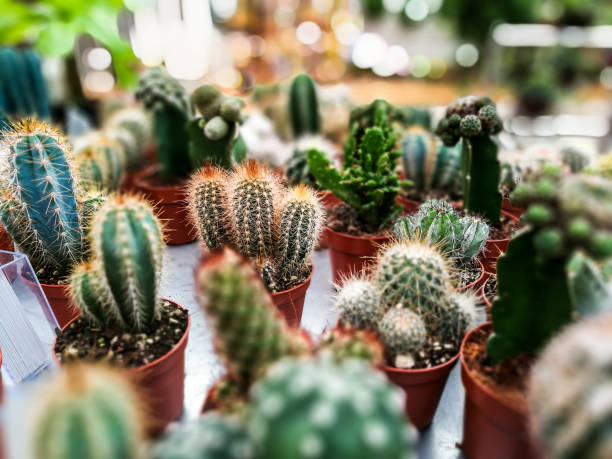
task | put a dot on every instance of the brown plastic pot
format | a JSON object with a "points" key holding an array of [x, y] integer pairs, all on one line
{"points": [[6, 243], [58, 297], [512, 210], [494, 248], [329, 200], [160, 383], [291, 302], [485, 300], [171, 204], [423, 389], [492, 428]]}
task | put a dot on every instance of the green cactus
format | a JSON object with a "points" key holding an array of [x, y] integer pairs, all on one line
{"points": [[130, 127], [87, 413], [250, 334], [438, 223], [358, 304], [39, 208], [341, 344], [101, 163], [402, 332], [120, 286], [474, 121], [297, 165], [303, 106], [167, 101], [367, 182], [573, 420], [430, 164], [208, 204], [211, 436], [575, 159], [307, 408]]}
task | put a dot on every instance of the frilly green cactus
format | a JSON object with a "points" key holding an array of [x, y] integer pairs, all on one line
{"points": [[297, 165]]}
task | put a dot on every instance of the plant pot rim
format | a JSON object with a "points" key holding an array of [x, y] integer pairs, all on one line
{"points": [[141, 180], [513, 218], [349, 236], [480, 278], [181, 343], [448, 363], [518, 410], [298, 286], [481, 292]]}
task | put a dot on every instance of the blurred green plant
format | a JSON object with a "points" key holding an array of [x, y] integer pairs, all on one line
{"points": [[54, 25]]}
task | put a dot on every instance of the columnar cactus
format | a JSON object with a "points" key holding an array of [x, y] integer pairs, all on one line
{"points": [[430, 164], [166, 99], [303, 106], [211, 436], [438, 223], [89, 413], [39, 207], [207, 195], [572, 420], [249, 333], [474, 121], [120, 286], [309, 408]]}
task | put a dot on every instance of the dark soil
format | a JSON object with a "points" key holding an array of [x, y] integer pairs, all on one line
{"points": [[507, 379], [50, 277], [504, 230], [82, 341], [490, 289], [344, 219], [433, 354], [422, 196], [466, 272]]}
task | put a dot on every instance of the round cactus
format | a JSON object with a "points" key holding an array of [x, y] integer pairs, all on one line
{"points": [[459, 314], [341, 344], [211, 436], [207, 99], [207, 205], [569, 391], [358, 304], [469, 117], [402, 332], [87, 413], [216, 128], [308, 409]]}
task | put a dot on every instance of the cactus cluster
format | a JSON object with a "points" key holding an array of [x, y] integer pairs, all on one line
{"points": [[166, 100], [89, 413], [475, 121], [303, 106], [213, 138], [99, 161], [40, 207], [297, 165], [119, 286], [572, 420], [251, 211], [368, 182], [429, 164], [249, 333], [408, 300], [314, 408], [437, 222]]}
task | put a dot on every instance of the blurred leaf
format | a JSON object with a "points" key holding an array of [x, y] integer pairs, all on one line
{"points": [[56, 39]]}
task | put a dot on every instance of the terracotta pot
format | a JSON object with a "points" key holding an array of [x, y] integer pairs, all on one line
{"points": [[127, 182], [494, 248], [410, 206], [512, 210], [291, 302], [58, 297], [6, 243], [161, 383], [491, 426], [423, 389], [171, 204], [478, 283], [485, 300], [328, 200]]}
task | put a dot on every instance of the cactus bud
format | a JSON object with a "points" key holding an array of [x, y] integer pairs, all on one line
{"points": [[230, 109], [470, 126], [216, 128]]}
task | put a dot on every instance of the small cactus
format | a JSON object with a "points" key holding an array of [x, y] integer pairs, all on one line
{"points": [[208, 204], [402, 332], [305, 409], [89, 413], [342, 343], [130, 127], [575, 159], [303, 106], [358, 304], [297, 165], [120, 286], [100, 162]]}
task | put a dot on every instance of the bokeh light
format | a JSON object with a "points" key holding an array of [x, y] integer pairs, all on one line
{"points": [[308, 33], [417, 10], [421, 66], [369, 49], [466, 55]]}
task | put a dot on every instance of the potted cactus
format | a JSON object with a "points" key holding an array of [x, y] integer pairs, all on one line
{"points": [[276, 227], [411, 304], [123, 320], [43, 209], [540, 290], [100, 162], [462, 238], [474, 121], [367, 187]]}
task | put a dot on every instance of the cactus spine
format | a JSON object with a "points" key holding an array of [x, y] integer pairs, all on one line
{"points": [[120, 287], [87, 413], [40, 210], [358, 304], [303, 106], [100, 161], [314, 409], [206, 193]]}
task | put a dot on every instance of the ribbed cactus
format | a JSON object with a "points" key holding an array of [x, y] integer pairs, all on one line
{"points": [[120, 286], [430, 164], [100, 162], [87, 413], [249, 333], [315, 408], [39, 207], [350, 343], [211, 436], [303, 106], [438, 223], [402, 332], [166, 99], [358, 304], [569, 389], [475, 121], [208, 205]]}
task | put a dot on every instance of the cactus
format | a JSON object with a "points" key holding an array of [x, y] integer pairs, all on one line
{"points": [[438, 223], [303, 106], [341, 344], [573, 420], [166, 99], [129, 127], [306, 408], [575, 159], [358, 304], [402, 332], [297, 165], [250, 335], [120, 286], [39, 207], [474, 121], [100, 162], [87, 413], [211, 436], [208, 201], [368, 182], [430, 164]]}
